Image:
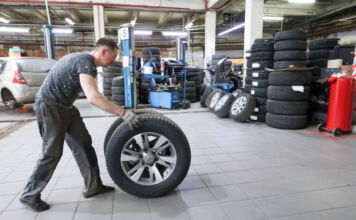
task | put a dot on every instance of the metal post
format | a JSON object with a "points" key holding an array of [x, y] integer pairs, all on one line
{"points": [[49, 41], [128, 62], [47, 10]]}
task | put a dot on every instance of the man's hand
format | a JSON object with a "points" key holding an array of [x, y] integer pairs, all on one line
{"points": [[131, 118]]}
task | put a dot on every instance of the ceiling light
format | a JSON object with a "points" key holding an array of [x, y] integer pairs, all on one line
{"points": [[4, 20], [174, 33], [142, 32], [133, 22], [232, 29], [302, 1], [62, 30], [69, 21], [14, 29], [270, 18], [189, 25]]}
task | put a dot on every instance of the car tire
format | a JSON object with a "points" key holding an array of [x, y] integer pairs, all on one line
{"points": [[290, 55], [290, 45], [155, 178], [287, 107], [215, 99], [242, 107], [288, 78], [293, 34], [205, 95], [222, 108], [288, 93], [288, 64], [286, 121]]}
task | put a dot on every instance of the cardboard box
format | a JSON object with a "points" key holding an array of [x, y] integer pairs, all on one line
{"points": [[335, 63], [347, 69]]}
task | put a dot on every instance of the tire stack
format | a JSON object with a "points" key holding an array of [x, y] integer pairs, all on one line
{"points": [[144, 91], [154, 53], [247, 80], [196, 75], [109, 73], [318, 56], [289, 91], [261, 58], [190, 91], [118, 91]]}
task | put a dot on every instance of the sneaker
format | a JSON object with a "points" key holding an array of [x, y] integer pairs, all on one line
{"points": [[103, 189], [35, 205]]}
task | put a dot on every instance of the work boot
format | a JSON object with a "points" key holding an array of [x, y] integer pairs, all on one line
{"points": [[103, 189], [36, 205]]}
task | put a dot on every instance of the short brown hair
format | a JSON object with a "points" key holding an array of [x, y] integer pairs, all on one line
{"points": [[108, 42]]}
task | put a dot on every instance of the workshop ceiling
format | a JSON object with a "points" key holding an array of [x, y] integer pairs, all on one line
{"points": [[321, 18]]}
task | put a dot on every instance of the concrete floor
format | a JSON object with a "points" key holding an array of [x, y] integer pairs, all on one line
{"points": [[238, 171]]}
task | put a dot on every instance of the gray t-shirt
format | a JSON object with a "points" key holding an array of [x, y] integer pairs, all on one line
{"points": [[62, 85]]}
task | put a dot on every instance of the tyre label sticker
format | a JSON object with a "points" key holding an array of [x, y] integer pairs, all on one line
{"points": [[125, 61], [255, 74], [256, 110], [255, 83], [298, 88], [252, 92], [253, 117], [256, 65]]}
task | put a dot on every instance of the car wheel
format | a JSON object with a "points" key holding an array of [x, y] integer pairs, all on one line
{"points": [[150, 161], [242, 108]]}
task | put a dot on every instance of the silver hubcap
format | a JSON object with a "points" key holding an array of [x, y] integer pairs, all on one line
{"points": [[148, 158], [215, 99], [238, 105], [221, 102]]}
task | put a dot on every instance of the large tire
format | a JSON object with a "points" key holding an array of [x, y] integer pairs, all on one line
{"points": [[247, 88], [288, 63], [321, 63], [261, 65], [288, 78], [288, 93], [290, 55], [262, 46], [237, 92], [287, 107], [205, 95], [155, 58], [118, 121], [261, 101], [150, 50], [112, 69], [111, 75], [260, 83], [327, 43], [286, 121], [118, 98], [222, 108], [118, 81], [162, 171], [317, 54], [118, 90], [290, 45], [210, 96], [259, 74], [242, 108], [259, 92], [248, 80], [293, 34], [264, 55], [215, 99]]}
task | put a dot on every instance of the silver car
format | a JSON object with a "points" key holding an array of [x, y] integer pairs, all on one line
{"points": [[21, 78]]}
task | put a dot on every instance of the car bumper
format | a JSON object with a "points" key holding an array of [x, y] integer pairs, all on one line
{"points": [[26, 94]]}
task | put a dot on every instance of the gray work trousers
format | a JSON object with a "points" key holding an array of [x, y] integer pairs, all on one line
{"points": [[57, 124]]}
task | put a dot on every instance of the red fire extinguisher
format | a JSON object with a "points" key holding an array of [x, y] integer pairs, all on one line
{"points": [[340, 108]]}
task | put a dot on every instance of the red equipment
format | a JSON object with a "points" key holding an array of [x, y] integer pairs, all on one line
{"points": [[341, 104]]}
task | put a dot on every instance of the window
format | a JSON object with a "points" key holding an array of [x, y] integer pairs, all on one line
{"points": [[2, 65], [35, 65]]}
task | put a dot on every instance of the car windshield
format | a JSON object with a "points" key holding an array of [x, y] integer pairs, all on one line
{"points": [[35, 65]]}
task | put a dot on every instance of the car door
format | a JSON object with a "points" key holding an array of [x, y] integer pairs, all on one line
{"points": [[2, 78]]}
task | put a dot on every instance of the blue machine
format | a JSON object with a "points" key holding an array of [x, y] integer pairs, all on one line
{"points": [[128, 49], [161, 99]]}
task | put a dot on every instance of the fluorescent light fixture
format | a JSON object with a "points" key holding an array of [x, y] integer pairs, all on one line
{"points": [[142, 32], [302, 1], [69, 21], [62, 30], [270, 18], [232, 29], [174, 33], [189, 25], [4, 20], [14, 29]]}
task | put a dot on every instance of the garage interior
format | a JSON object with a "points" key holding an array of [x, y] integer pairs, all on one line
{"points": [[263, 90]]}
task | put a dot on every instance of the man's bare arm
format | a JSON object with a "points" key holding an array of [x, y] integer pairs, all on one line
{"points": [[94, 97]]}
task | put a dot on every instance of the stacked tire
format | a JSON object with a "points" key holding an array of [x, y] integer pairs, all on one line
{"points": [[288, 99], [196, 75], [149, 53], [190, 91], [247, 81], [290, 49], [261, 58], [118, 91], [109, 73]]}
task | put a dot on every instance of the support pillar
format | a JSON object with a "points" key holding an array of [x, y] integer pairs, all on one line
{"points": [[99, 32], [210, 35], [253, 23]]}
